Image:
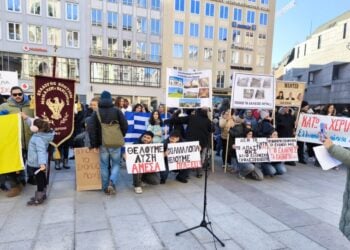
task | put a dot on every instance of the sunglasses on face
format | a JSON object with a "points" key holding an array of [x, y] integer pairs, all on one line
{"points": [[17, 94]]}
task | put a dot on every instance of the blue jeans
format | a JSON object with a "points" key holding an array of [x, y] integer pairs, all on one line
{"points": [[273, 168], [109, 157]]}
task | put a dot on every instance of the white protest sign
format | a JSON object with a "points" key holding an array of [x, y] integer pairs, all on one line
{"points": [[324, 158], [183, 155], [282, 149], [8, 79], [336, 128], [251, 150], [253, 91], [144, 158]]}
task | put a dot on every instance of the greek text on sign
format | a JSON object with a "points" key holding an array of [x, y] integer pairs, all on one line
{"points": [[251, 150], [144, 158], [282, 149], [183, 155]]}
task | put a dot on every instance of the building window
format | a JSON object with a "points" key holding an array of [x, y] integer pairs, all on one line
{"points": [[249, 38], [112, 20], [54, 36], [194, 29], [142, 3], [208, 54], [72, 11], [223, 12], [344, 30], [195, 6], [236, 36], [221, 56], [112, 47], [127, 49], [14, 31], [112, 1], [193, 52], [72, 39], [263, 18], [235, 57], [96, 45], [127, 22], [35, 34], [179, 28], [155, 26], [141, 25], [180, 5], [305, 49], [209, 9], [220, 79], [155, 4], [311, 77], [54, 8], [319, 42], [298, 52], [96, 17], [14, 5], [178, 50], [247, 60], [260, 61], [34, 7], [141, 50], [250, 16], [209, 32], [222, 34], [266, 2], [155, 52], [237, 15], [127, 2]]}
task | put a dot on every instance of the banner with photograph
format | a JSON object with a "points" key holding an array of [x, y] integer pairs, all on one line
{"points": [[8, 79], [289, 94], [282, 149], [253, 91], [144, 158], [183, 155], [311, 127], [251, 150], [188, 89]]}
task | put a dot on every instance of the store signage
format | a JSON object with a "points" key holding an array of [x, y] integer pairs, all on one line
{"points": [[243, 26], [28, 48]]}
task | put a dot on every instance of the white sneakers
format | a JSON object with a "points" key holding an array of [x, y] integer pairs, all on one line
{"points": [[138, 190]]}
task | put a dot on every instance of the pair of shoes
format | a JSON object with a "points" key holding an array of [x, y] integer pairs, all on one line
{"points": [[138, 190], [183, 180], [65, 164], [290, 163], [231, 170], [302, 162], [15, 191], [111, 189], [240, 176], [162, 181], [38, 199]]}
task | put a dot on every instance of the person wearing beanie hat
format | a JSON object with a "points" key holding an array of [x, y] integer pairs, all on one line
{"points": [[107, 113]]}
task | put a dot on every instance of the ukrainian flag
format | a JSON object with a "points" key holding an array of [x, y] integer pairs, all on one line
{"points": [[10, 144]]}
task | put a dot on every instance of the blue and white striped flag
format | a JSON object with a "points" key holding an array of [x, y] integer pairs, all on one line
{"points": [[137, 125]]}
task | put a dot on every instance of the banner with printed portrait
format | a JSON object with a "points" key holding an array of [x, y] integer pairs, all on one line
{"points": [[289, 94], [183, 155], [253, 91], [54, 102], [188, 89]]}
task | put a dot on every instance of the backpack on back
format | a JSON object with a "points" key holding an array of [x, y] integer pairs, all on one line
{"points": [[112, 136]]}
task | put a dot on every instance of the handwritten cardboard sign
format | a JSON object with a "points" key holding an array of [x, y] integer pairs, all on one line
{"points": [[144, 158], [282, 149], [184, 155], [87, 169], [251, 150], [336, 128]]}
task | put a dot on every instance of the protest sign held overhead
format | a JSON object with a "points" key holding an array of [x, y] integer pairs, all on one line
{"points": [[289, 94], [184, 155], [253, 91], [8, 79], [191, 89], [282, 149], [251, 150], [144, 158], [87, 169], [336, 128]]}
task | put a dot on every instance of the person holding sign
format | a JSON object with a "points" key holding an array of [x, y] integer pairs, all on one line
{"points": [[342, 155], [226, 122]]}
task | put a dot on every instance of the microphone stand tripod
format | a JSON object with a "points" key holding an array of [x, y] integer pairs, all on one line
{"points": [[204, 223]]}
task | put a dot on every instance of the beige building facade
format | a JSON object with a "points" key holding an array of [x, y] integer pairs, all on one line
{"points": [[225, 36]]}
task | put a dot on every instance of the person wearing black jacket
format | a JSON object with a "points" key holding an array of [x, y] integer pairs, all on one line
{"points": [[108, 113]]}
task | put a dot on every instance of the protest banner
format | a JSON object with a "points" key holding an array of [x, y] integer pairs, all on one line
{"points": [[144, 158], [282, 149], [336, 128], [8, 79], [87, 169], [289, 94], [253, 91], [251, 150], [183, 155], [10, 144], [191, 89]]}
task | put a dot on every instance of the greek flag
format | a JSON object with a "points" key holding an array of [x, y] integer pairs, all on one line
{"points": [[137, 125]]}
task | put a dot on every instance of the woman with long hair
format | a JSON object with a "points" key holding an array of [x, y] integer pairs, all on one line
{"points": [[155, 126]]}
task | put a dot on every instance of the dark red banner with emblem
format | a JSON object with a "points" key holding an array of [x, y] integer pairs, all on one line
{"points": [[54, 102]]}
